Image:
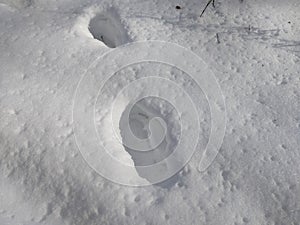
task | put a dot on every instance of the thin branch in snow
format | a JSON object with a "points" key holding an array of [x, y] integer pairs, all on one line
{"points": [[218, 39], [208, 3]]}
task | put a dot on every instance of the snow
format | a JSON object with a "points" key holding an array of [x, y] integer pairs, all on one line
{"points": [[55, 54]]}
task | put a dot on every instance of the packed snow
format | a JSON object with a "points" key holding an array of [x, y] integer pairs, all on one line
{"points": [[54, 55]]}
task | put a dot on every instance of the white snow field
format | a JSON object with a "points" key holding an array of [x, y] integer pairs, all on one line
{"points": [[47, 49]]}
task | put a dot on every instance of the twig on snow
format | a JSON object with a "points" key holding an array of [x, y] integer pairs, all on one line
{"points": [[208, 3], [218, 39]]}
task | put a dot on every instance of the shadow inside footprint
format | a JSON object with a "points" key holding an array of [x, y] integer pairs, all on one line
{"points": [[162, 143], [107, 28]]}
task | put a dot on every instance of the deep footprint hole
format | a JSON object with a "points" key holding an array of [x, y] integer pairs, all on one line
{"points": [[139, 118], [108, 28]]}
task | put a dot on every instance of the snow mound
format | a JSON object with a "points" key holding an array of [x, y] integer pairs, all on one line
{"points": [[107, 27]]}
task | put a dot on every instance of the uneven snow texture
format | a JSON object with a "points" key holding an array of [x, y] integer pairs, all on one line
{"points": [[47, 45]]}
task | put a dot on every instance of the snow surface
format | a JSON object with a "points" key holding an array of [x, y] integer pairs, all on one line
{"points": [[46, 48]]}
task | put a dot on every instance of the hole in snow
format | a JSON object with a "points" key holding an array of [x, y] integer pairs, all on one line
{"points": [[161, 136], [107, 28]]}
